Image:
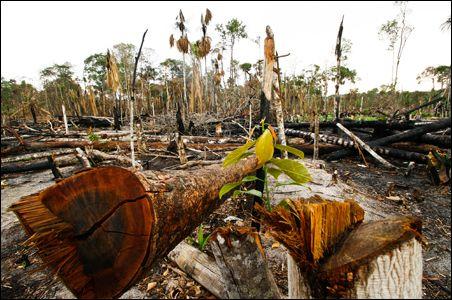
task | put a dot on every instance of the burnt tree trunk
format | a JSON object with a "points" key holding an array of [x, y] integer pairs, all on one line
{"points": [[406, 135]]}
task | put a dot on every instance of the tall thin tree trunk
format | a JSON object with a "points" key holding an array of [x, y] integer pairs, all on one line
{"points": [[185, 83], [206, 88], [338, 65], [231, 75]]}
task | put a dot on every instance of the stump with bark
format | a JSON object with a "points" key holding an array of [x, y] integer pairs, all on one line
{"points": [[336, 255]]}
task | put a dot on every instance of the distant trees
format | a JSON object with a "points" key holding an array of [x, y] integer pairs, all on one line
{"points": [[246, 68], [124, 54], [439, 74], [232, 31], [60, 87], [95, 70], [15, 97], [396, 32]]}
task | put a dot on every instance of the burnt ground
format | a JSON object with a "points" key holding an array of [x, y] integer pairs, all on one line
{"points": [[370, 186]]}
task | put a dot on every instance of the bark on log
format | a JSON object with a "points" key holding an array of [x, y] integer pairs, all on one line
{"points": [[121, 159], [36, 165], [105, 146], [394, 125], [201, 267], [416, 132], [102, 229], [32, 156], [438, 140], [243, 265]]}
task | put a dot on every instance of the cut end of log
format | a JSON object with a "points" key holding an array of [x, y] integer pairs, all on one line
{"points": [[370, 240], [116, 214]]}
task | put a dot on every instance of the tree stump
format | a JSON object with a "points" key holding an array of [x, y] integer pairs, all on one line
{"points": [[338, 256]]}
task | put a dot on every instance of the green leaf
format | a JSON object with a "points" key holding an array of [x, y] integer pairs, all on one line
{"points": [[289, 149], [204, 243], [264, 147], [295, 170], [237, 154], [250, 192], [228, 187], [274, 172], [250, 178], [200, 234], [253, 193]]}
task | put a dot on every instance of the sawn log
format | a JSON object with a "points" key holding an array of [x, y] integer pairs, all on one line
{"points": [[102, 229]]}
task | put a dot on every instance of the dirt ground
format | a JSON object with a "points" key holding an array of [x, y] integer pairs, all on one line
{"points": [[370, 186]]}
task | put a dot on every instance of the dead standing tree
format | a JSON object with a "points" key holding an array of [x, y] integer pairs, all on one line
{"points": [[132, 102], [182, 45], [204, 49], [271, 83], [338, 52]]}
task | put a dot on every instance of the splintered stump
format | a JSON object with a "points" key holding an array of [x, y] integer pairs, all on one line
{"points": [[334, 254], [102, 229]]}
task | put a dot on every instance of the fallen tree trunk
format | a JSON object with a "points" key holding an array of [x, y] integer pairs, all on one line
{"points": [[437, 140], [201, 267], [409, 134], [36, 165], [102, 229], [394, 125], [396, 153], [32, 156], [90, 121], [105, 146]]}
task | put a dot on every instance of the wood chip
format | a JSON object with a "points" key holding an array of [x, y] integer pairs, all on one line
{"points": [[151, 285]]}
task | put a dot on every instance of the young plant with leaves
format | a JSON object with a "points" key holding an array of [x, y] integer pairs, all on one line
{"points": [[264, 148]]}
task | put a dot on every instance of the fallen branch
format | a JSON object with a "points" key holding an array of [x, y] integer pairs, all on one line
{"points": [[366, 147]]}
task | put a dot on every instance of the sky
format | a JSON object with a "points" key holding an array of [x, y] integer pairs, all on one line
{"points": [[35, 35]]}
